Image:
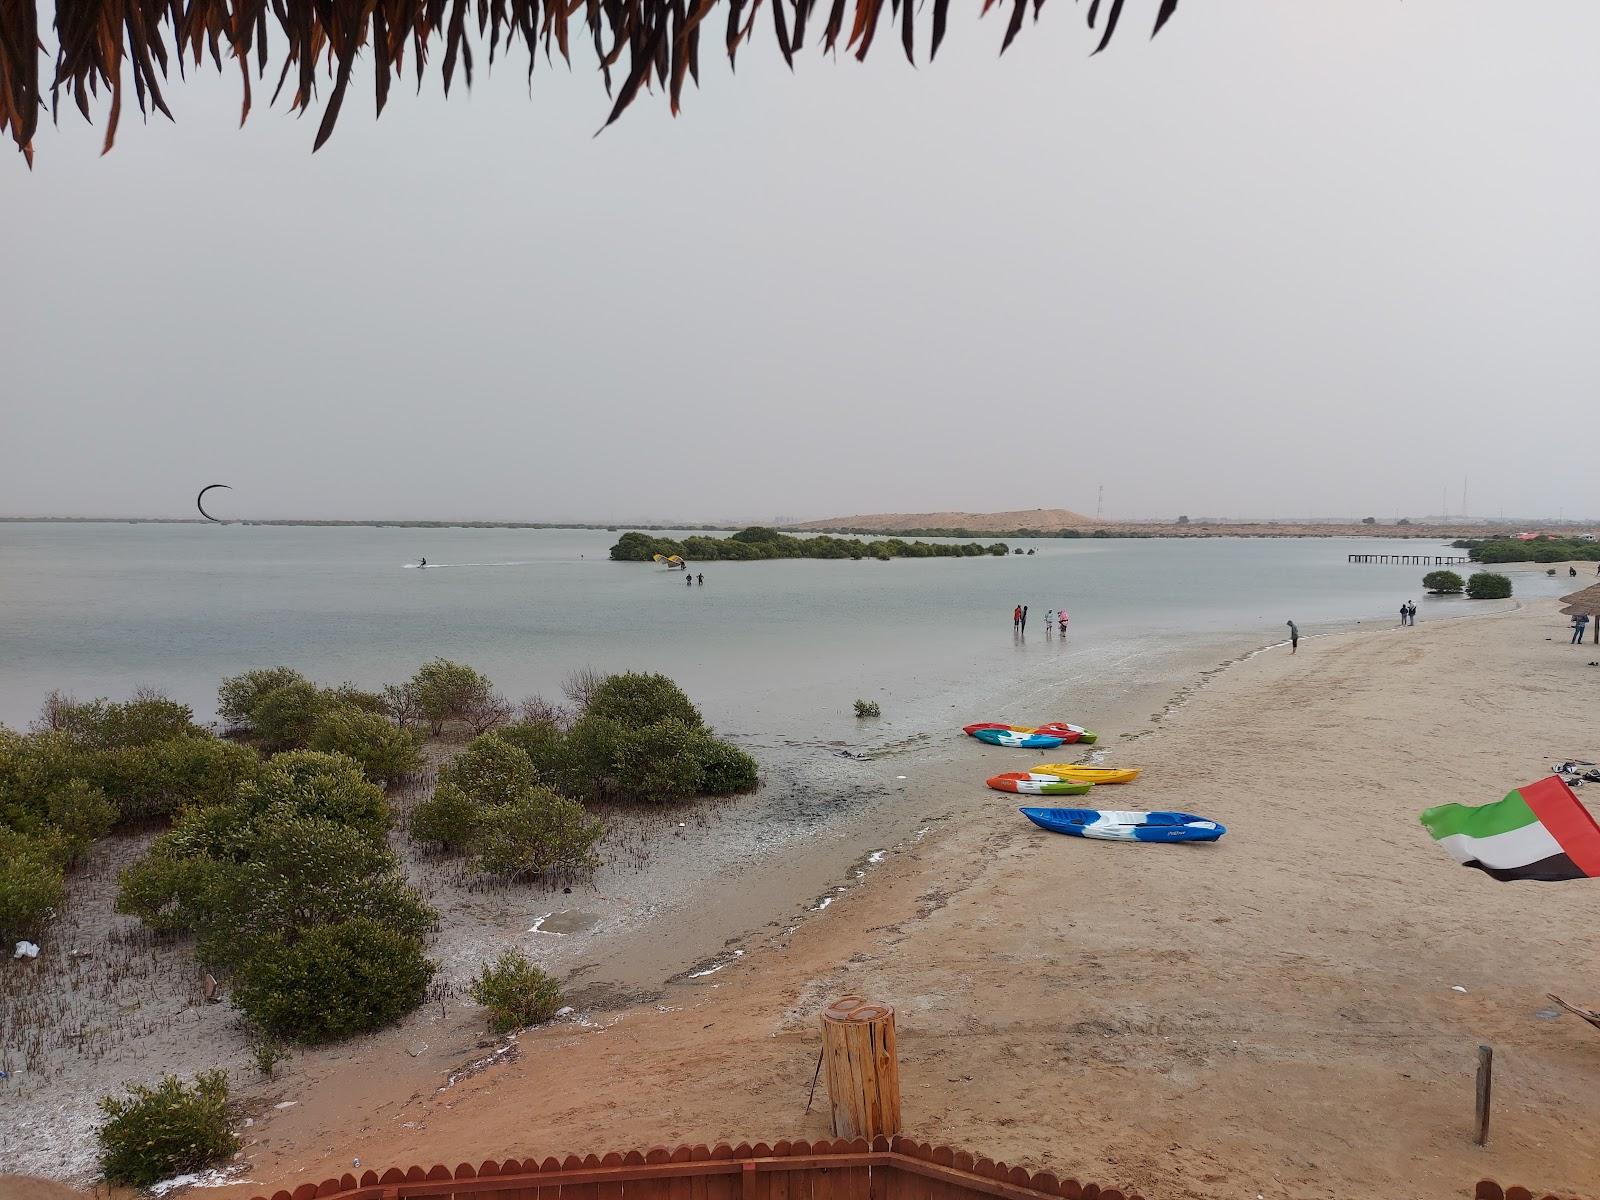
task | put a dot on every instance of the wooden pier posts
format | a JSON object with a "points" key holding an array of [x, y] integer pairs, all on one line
{"points": [[1412, 560], [858, 1053]]}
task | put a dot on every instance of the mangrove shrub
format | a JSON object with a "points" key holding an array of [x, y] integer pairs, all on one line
{"points": [[516, 993], [1442, 583], [334, 981], [1486, 585], [155, 1133]]}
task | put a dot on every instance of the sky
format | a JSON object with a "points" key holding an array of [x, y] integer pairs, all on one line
{"points": [[1320, 260]]}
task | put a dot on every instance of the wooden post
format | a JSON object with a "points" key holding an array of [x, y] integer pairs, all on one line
{"points": [[1485, 1086], [858, 1051]]}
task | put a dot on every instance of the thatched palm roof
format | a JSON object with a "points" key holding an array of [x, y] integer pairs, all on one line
{"points": [[1587, 602], [636, 41]]}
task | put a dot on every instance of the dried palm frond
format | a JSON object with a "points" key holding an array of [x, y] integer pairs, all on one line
{"points": [[103, 42]]}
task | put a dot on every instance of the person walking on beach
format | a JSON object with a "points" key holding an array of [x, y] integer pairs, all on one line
{"points": [[1405, 613], [1413, 607], [1579, 624], [1294, 637]]}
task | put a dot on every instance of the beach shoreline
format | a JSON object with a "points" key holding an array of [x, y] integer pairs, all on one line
{"points": [[764, 955], [1277, 1013]]}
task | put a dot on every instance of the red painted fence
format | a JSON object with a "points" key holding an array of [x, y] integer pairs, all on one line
{"points": [[785, 1170], [799, 1170]]}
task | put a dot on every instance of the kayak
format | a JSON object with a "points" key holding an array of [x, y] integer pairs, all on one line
{"points": [[1056, 729], [1069, 733], [1024, 741], [1033, 784], [1090, 774], [1117, 826]]}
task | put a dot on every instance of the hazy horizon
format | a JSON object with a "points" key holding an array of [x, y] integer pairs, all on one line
{"points": [[1280, 262]]}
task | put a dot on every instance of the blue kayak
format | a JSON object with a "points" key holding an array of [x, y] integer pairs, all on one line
{"points": [[1118, 826], [1027, 741]]}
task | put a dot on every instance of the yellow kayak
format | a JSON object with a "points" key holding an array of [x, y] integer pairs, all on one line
{"points": [[1086, 774]]}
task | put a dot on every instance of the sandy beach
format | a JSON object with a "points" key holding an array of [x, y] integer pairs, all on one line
{"points": [[1292, 1012]]}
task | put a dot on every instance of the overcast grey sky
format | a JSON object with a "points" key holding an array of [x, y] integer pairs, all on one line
{"points": [[1286, 259]]}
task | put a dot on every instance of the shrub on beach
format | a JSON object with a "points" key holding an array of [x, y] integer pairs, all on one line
{"points": [[868, 708], [334, 980], [655, 763], [489, 804], [492, 770], [155, 1133], [284, 718], [447, 818], [1442, 583], [32, 889], [725, 769], [149, 782], [541, 740], [240, 880], [536, 833], [141, 781], [238, 695], [1486, 585], [386, 752], [83, 814], [516, 993], [443, 691], [634, 698], [312, 783], [102, 724]]}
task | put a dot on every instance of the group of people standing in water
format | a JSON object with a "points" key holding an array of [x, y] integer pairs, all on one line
{"points": [[1052, 620]]}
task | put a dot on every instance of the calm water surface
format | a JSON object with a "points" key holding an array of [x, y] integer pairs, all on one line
{"points": [[771, 650]]}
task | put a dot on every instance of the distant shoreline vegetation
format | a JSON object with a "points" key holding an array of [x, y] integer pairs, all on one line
{"points": [[760, 542], [1539, 549]]}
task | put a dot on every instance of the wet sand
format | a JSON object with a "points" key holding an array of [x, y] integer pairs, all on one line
{"points": [[1276, 1014]]}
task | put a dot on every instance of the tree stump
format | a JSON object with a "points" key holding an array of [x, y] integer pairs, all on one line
{"points": [[858, 1051]]}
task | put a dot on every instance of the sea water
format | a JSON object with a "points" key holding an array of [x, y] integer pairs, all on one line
{"points": [[773, 652]]}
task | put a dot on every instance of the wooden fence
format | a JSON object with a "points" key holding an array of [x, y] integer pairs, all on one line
{"points": [[799, 1170], [1490, 1190], [785, 1170]]}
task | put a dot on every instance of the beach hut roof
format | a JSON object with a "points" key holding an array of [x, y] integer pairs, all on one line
{"points": [[1587, 602], [101, 44]]}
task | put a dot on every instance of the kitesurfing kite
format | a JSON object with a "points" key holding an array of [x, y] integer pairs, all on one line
{"points": [[199, 501], [671, 561]]}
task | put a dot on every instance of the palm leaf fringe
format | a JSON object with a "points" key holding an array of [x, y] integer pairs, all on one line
{"points": [[639, 43]]}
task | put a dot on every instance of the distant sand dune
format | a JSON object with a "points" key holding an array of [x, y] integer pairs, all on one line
{"points": [[999, 522]]}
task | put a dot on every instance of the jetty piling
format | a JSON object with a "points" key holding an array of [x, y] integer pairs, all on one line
{"points": [[1411, 560]]}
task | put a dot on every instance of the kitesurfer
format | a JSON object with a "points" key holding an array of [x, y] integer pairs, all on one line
{"points": [[423, 563]]}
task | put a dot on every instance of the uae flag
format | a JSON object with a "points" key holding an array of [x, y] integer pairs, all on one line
{"points": [[1537, 832]]}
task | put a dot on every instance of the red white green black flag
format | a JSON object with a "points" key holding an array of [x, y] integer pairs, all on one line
{"points": [[1537, 832]]}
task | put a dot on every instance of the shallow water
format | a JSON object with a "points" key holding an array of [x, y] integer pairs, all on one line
{"points": [[774, 652]]}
